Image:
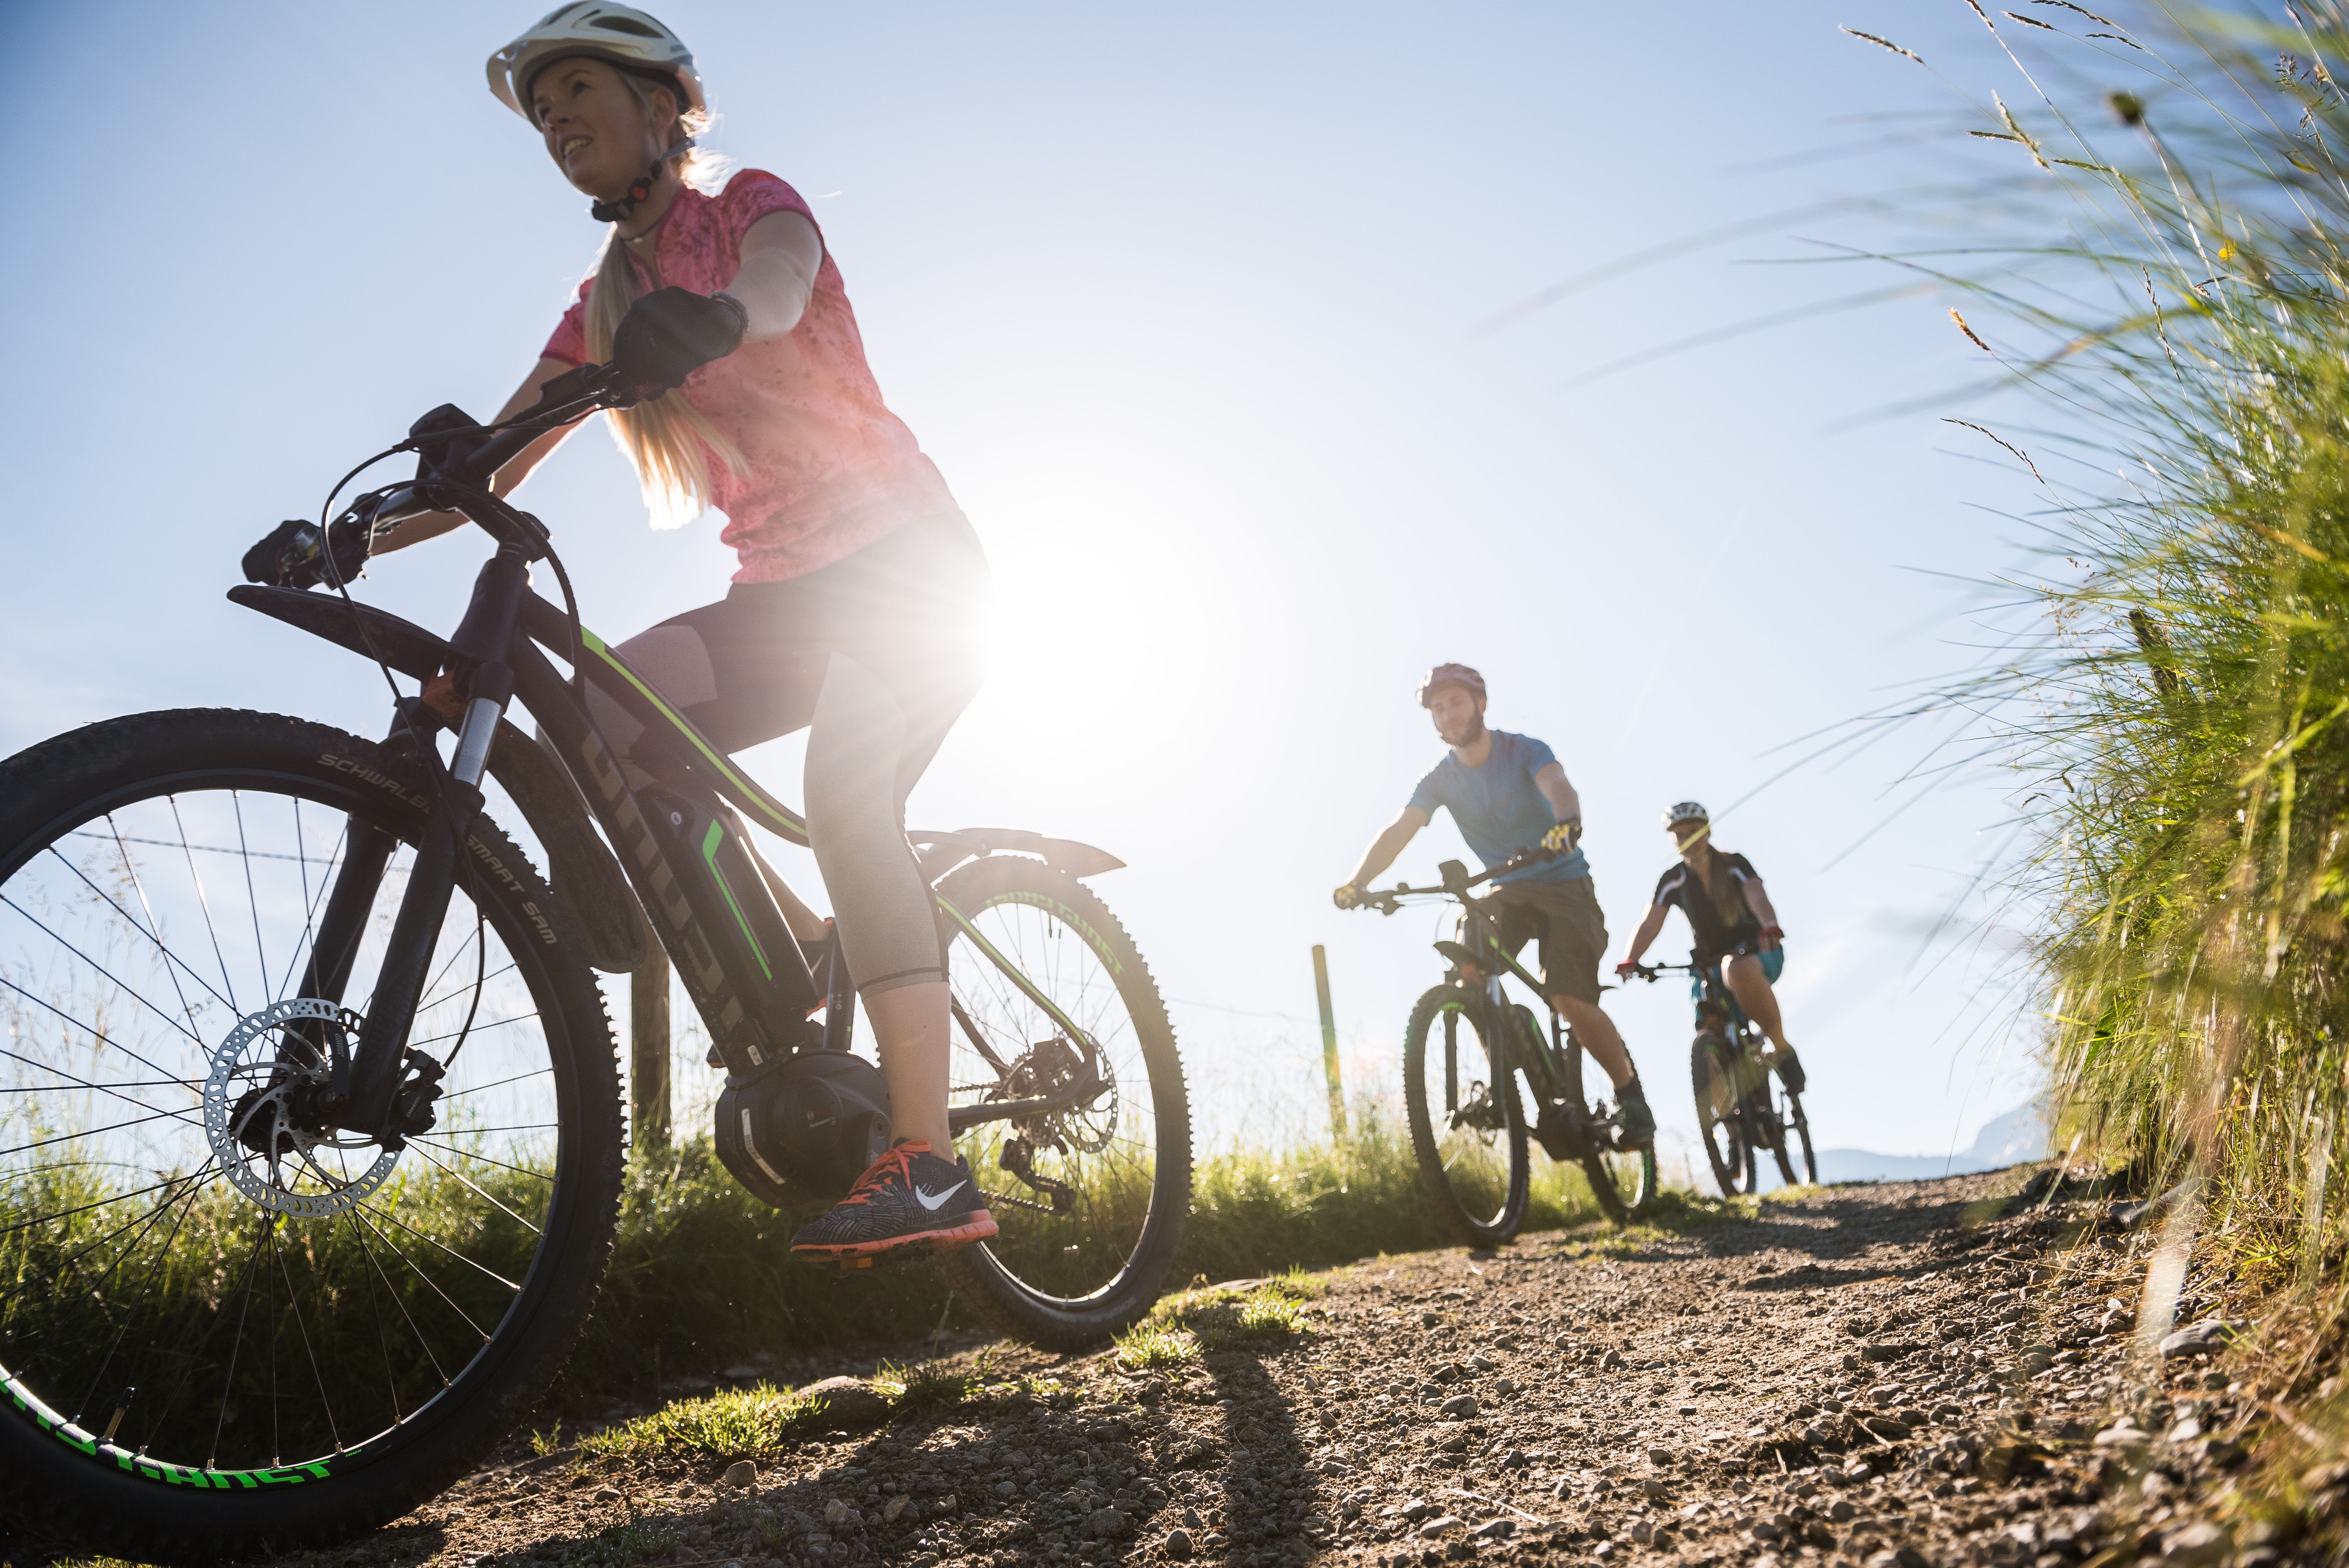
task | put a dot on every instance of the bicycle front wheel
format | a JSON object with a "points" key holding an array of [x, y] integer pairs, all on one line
{"points": [[226, 1328], [1467, 1124], [1089, 1199], [1720, 1126], [1621, 1180]]}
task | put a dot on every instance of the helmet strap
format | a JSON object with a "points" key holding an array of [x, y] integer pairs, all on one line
{"points": [[620, 208]]}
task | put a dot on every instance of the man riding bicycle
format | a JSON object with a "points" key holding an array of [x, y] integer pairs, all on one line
{"points": [[1735, 927], [1509, 792]]}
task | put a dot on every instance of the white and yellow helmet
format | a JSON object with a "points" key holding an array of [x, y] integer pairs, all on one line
{"points": [[1680, 811], [627, 37]]}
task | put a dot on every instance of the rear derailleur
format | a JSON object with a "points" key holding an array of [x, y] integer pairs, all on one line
{"points": [[1018, 1156]]}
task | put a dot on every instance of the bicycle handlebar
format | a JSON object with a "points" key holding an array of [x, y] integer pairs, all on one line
{"points": [[665, 337], [1387, 900]]}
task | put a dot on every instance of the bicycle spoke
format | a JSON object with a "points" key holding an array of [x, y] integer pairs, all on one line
{"points": [[104, 972], [146, 1284], [203, 902], [461, 1176], [430, 1242], [110, 1089], [430, 1284], [172, 963], [294, 1304], [501, 1083], [135, 1121], [265, 1309], [268, 1229], [375, 1272], [517, 1170]]}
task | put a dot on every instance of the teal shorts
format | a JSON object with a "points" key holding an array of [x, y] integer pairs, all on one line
{"points": [[1774, 963]]}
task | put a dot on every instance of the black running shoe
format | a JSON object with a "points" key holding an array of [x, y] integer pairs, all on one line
{"points": [[1790, 1071], [1635, 1124], [909, 1201]]}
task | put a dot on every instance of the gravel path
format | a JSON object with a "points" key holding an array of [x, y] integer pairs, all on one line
{"points": [[1901, 1375]]}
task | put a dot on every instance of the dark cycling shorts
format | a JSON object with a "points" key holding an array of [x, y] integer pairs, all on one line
{"points": [[1774, 963], [1749, 948], [1565, 916]]}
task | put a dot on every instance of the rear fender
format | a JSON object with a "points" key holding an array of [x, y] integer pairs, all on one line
{"points": [[941, 852]]}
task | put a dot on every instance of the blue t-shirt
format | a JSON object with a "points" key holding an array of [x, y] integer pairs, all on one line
{"points": [[1498, 809]]}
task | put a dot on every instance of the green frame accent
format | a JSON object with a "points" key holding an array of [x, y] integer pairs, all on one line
{"points": [[1027, 986], [749, 795], [709, 843]]}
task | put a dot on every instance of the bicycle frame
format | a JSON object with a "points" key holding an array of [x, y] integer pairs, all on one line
{"points": [[1484, 952], [680, 840]]}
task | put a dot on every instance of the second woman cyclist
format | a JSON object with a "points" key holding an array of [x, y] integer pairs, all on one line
{"points": [[854, 613]]}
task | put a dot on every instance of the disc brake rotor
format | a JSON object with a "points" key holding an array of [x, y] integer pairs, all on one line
{"points": [[1049, 1065], [260, 1075]]}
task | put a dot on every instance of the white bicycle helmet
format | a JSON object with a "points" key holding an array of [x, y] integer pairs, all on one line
{"points": [[620, 34], [1686, 811]]}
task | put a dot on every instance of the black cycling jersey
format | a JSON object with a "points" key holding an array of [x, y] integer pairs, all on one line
{"points": [[1714, 904]]}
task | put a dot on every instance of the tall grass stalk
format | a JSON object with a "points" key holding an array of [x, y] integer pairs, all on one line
{"points": [[2180, 704]]}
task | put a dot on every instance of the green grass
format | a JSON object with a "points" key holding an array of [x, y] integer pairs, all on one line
{"points": [[700, 1280], [727, 1425], [923, 1389], [2177, 708], [1151, 1346], [1217, 1316]]}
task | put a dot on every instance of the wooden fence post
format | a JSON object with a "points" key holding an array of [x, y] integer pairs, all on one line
{"points": [[648, 1047], [1329, 1043]]}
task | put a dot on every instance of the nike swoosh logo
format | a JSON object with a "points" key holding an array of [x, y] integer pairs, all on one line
{"points": [[933, 1203]]}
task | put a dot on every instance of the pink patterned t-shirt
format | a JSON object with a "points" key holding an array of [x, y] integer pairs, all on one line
{"points": [[828, 468]]}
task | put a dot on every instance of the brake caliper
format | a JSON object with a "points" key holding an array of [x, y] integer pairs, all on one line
{"points": [[411, 1106]]}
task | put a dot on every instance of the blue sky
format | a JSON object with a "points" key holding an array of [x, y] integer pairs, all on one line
{"points": [[1186, 303]]}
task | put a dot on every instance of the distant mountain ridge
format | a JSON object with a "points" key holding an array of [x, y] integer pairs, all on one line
{"points": [[2010, 1140]]}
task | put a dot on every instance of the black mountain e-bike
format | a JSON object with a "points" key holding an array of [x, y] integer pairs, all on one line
{"points": [[1468, 1106], [1742, 1106], [311, 1137]]}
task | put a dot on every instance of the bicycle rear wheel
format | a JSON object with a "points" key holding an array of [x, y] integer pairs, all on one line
{"points": [[1621, 1180], [1721, 1126], [224, 1332], [1799, 1120], [1085, 1246], [1467, 1124], [1778, 1119]]}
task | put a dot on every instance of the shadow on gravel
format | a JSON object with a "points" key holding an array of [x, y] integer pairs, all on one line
{"points": [[1268, 1488]]}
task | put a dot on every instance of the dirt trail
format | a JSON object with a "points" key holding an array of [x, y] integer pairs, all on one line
{"points": [[1913, 1373]]}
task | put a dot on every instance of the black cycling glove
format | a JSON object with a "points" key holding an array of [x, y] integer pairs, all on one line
{"points": [[669, 334]]}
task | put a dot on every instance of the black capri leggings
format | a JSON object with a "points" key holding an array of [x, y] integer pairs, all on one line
{"points": [[876, 655]]}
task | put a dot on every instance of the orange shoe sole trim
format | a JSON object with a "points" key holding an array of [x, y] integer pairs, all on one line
{"points": [[977, 1226]]}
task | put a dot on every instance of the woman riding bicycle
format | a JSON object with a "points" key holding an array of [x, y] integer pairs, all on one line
{"points": [[855, 611]]}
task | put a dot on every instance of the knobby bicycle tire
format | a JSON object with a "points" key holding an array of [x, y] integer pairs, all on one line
{"points": [[1452, 1158], [66, 1481], [1068, 1282], [1622, 1181], [1727, 1149], [1803, 1128]]}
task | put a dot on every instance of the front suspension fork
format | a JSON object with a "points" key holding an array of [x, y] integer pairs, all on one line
{"points": [[381, 1059]]}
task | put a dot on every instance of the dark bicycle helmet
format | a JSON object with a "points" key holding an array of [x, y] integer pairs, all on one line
{"points": [[1460, 675]]}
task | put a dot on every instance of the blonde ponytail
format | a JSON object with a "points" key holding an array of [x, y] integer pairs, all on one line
{"points": [[668, 439]]}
